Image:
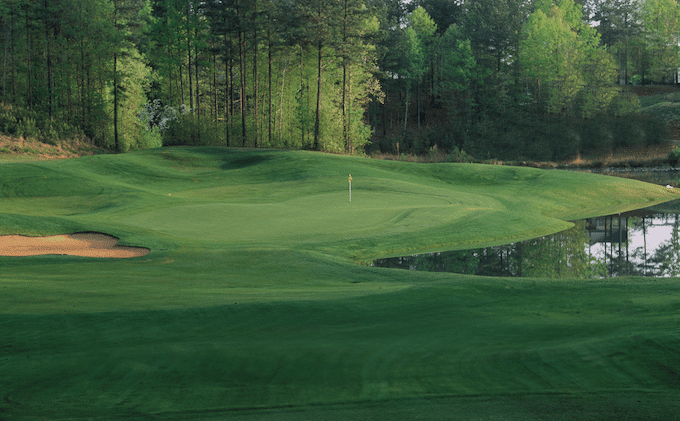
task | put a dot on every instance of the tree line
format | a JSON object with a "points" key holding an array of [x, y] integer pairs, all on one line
{"points": [[498, 78]]}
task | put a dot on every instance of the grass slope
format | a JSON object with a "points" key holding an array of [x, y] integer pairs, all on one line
{"points": [[251, 304]]}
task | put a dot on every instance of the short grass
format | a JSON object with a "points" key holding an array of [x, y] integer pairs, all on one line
{"points": [[252, 304]]}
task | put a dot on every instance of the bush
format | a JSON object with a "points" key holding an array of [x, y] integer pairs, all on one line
{"points": [[151, 138], [192, 131], [596, 134], [674, 156], [21, 122], [27, 128], [624, 103], [668, 112]]}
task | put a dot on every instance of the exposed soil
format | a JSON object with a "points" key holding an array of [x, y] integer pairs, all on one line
{"points": [[80, 244], [20, 149]]}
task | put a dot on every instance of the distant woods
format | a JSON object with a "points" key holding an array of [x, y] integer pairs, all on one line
{"points": [[496, 78], [131, 74]]}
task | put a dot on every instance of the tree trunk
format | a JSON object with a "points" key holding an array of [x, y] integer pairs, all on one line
{"points": [[317, 122], [83, 99], [384, 118], [191, 88], [302, 97], [197, 73], [116, 143], [228, 95], [242, 68], [406, 111], [418, 102], [30, 68], [14, 85], [255, 80], [349, 110], [170, 74], [4, 65], [283, 84], [181, 76], [215, 106], [115, 102], [269, 70], [345, 137], [50, 93], [82, 71]]}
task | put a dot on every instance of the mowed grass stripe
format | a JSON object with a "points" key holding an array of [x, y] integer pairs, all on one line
{"points": [[368, 349]]}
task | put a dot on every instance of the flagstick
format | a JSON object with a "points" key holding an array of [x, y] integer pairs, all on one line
{"points": [[350, 187]]}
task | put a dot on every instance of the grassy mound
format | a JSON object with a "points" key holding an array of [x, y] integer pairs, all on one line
{"points": [[252, 299]]}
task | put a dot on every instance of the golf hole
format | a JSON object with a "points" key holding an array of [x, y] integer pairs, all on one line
{"points": [[86, 244]]}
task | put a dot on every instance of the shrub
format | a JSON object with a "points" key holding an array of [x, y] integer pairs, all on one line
{"points": [[623, 104], [674, 156], [151, 138], [596, 134], [192, 131], [668, 112]]}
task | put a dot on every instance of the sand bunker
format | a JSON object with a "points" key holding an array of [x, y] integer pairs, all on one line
{"points": [[82, 244]]}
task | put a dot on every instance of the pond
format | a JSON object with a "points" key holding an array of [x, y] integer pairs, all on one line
{"points": [[645, 242], [656, 175]]}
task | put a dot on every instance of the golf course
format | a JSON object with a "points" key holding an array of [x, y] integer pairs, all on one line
{"points": [[253, 298]]}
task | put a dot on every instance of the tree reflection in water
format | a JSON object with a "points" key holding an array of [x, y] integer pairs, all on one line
{"points": [[640, 243]]}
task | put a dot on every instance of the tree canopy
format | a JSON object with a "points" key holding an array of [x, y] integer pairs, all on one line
{"points": [[334, 75]]}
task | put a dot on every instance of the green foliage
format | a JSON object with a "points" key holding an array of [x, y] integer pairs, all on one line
{"points": [[81, 67], [647, 101], [458, 64], [20, 122], [561, 57], [415, 53], [674, 156], [664, 107], [151, 138], [189, 130], [661, 19], [668, 112], [623, 104]]}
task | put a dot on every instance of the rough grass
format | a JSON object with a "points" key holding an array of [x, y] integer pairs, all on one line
{"points": [[251, 304]]}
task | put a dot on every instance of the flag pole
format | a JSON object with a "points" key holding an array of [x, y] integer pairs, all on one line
{"points": [[350, 187]]}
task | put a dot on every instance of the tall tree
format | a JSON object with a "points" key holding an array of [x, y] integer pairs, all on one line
{"points": [[458, 64], [414, 67], [357, 25], [618, 22], [321, 22], [491, 26], [421, 34], [444, 13], [128, 25], [661, 23], [554, 50]]}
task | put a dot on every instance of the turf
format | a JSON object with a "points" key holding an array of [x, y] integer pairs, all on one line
{"points": [[253, 303]]}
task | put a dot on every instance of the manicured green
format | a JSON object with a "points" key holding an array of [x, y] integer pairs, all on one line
{"points": [[254, 304]]}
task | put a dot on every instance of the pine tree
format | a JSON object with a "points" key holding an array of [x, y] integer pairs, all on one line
{"points": [[321, 23]]}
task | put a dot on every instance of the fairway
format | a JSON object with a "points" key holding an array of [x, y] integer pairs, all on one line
{"points": [[254, 301]]}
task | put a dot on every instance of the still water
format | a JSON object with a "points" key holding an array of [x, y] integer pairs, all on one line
{"points": [[644, 242]]}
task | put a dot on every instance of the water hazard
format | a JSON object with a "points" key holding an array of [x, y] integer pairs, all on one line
{"points": [[644, 242]]}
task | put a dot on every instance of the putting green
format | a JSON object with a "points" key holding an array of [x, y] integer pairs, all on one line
{"points": [[251, 304], [310, 218]]}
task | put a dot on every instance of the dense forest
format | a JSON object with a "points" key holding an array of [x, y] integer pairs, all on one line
{"points": [[506, 79]]}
